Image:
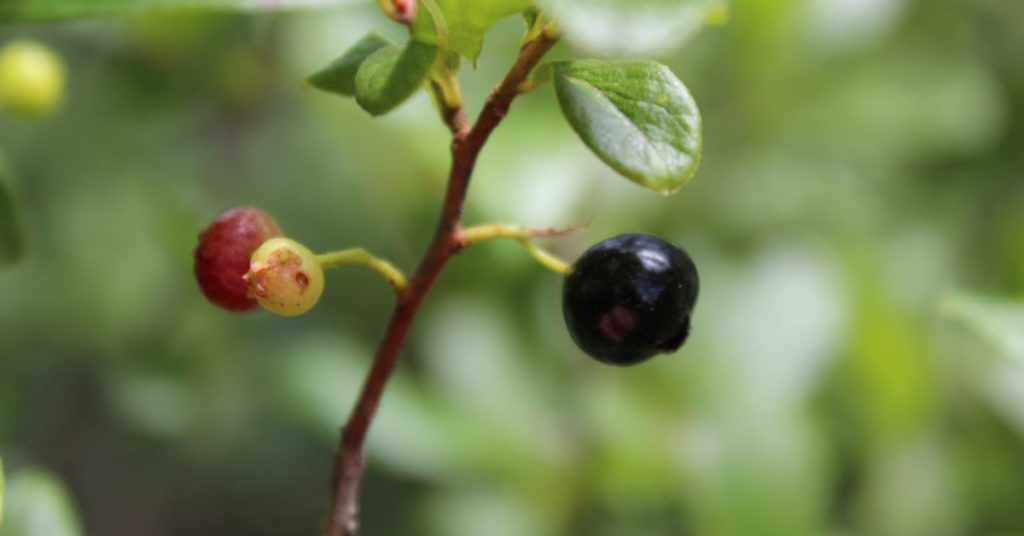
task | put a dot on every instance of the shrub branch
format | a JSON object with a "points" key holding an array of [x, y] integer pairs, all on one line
{"points": [[467, 141]]}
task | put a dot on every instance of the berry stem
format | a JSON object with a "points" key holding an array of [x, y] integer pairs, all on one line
{"points": [[493, 231], [360, 256], [483, 233], [467, 141], [546, 258]]}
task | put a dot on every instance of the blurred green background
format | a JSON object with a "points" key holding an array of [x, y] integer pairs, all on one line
{"points": [[856, 365]]}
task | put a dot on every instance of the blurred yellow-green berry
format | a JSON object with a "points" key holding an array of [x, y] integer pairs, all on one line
{"points": [[31, 78], [285, 277]]}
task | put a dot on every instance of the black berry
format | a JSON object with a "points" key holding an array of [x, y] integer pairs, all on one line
{"points": [[223, 254], [630, 297]]}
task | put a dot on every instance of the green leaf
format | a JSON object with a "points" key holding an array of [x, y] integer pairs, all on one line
{"points": [[531, 16], [460, 24], [999, 322], [631, 27], [12, 228], [340, 76], [392, 74], [636, 116], [34, 10], [38, 505]]}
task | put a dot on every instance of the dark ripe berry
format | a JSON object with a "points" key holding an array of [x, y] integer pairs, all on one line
{"points": [[222, 256], [630, 297]]}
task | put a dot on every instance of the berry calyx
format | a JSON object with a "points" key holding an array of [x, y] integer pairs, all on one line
{"points": [[31, 78], [630, 297], [224, 252], [285, 277]]}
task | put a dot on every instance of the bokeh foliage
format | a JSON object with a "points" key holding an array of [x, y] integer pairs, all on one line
{"points": [[857, 219]]}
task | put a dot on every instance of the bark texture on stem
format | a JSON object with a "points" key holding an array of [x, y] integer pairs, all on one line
{"points": [[466, 145]]}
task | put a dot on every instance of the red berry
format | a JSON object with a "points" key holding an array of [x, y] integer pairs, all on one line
{"points": [[222, 256], [403, 7]]}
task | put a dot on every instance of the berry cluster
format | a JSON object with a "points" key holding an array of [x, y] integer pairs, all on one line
{"points": [[625, 299], [243, 261]]}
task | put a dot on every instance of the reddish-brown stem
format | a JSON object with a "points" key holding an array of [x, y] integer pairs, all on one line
{"points": [[466, 145], [453, 116]]}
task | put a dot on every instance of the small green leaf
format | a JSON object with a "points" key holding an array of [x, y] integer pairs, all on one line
{"points": [[38, 505], [12, 228], [340, 75], [463, 22], [636, 116], [392, 74], [999, 322], [531, 16]]}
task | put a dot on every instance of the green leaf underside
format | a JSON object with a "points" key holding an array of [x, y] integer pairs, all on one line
{"points": [[33, 10], [392, 74], [636, 116], [340, 75], [465, 22], [12, 230]]}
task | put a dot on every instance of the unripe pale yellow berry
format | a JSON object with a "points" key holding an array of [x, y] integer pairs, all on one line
{"points": [[285, 277], [31, 78]]}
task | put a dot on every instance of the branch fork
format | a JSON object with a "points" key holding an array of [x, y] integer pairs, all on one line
{"points": [[449, 239]]}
